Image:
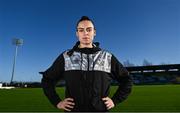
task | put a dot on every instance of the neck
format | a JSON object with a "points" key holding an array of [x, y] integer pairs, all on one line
{"points": [[85, 45]]}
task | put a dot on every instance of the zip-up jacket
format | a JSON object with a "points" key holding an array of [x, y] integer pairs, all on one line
{"points": [[88, 73]]}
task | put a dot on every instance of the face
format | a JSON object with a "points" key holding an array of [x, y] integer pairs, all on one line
{"points": [[85, 32]]}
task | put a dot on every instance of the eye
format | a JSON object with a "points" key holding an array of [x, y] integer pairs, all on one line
{"points": [[89, 29], [80, 30]]}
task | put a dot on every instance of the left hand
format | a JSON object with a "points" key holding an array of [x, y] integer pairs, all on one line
{"points": [[108, 102]]}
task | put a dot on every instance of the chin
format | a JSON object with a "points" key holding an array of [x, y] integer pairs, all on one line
{"points": [[86, 42]]}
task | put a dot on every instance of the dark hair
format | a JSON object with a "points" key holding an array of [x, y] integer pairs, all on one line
{"points": [[84, 18]]}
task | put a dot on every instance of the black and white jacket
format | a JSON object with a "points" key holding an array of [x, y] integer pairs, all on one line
{"points": [[88, 73]]}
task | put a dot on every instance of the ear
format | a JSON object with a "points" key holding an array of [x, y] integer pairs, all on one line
{"points": [[77, 34], [94, 32]]}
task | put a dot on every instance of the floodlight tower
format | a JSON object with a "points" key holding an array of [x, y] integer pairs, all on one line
{"points": [[17, 43]]}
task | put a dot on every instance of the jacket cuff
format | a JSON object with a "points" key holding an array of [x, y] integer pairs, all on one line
{"points": [[115, 101], [55, 103]]}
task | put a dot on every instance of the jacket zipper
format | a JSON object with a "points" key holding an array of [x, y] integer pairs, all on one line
{"points": [[85, 83], [85, 75], [88, 61]]}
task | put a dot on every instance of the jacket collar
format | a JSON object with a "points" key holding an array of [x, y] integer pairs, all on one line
{"points": [[85, 50]]}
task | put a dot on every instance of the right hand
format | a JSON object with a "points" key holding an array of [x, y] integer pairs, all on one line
{"points": [[66, 104]]}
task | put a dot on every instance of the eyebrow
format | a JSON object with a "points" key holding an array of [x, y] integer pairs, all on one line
{"points": [[84, 28]]}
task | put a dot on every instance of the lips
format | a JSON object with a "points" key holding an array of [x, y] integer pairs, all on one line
{"points": [[85, 38]]}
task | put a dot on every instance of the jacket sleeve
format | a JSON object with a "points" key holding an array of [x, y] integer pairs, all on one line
{"points": [[121, 75], [50, 78]]}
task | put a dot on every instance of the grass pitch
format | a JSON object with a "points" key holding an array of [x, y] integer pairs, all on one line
{"points": [[148, 98]]}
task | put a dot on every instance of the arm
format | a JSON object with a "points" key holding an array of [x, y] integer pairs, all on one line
{"points": [[124, 79], [50, 78]]}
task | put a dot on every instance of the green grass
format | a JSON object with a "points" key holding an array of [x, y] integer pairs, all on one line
{"points": [[152, 98], [149, 98]]}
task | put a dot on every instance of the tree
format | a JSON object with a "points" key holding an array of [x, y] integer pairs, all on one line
{"points": [[146, 63], [127, 63]]}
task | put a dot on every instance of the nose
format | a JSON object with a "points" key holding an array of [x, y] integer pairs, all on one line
{"points": [[85, 32]]}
